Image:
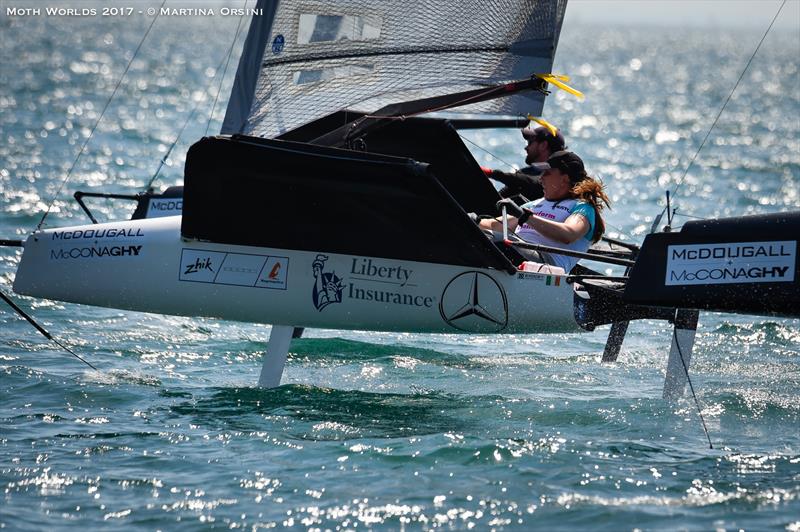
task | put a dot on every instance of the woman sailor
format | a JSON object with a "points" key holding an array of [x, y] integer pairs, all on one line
{"points": [[567, 217]]}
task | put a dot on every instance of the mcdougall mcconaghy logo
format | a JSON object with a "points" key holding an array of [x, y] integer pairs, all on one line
{"points": [[474, 302], [112, 232], [109, 242], [95, 252], [159, 207], [731, 262], [327, 285]]}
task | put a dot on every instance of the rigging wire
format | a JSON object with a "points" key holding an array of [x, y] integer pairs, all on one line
{"points": [[675, 191], [42, 330], [487, 151], [183, 128], [691, 386], [105, 107], [222, 79], [692, 216], [719, 114]]}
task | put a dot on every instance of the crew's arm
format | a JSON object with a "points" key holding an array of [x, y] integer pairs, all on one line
{"points": [[496, 224], [511, 179], [567, 232], [517, 183]]}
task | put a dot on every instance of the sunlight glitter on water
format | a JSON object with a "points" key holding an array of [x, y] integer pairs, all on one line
{"points": [[388, 431]]}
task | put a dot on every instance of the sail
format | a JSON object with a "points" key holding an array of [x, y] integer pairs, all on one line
{"points": [[322, 57], [244, 85]]}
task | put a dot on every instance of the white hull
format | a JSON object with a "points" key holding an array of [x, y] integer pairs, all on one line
{"points": [[145, 265]]}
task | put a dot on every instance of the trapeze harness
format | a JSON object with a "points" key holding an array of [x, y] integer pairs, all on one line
{"points": [[558, 211]]}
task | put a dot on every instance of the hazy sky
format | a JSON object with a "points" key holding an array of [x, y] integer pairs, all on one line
{"points": [[710, 13]]}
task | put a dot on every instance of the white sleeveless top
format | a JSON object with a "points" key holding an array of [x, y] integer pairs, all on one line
{"points": [[558, 211]]}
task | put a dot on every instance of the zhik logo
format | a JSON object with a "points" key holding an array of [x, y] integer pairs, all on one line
{"points": [[198, 265]]}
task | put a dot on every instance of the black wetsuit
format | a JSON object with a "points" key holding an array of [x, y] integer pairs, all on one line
{"points": [[524, 182]]}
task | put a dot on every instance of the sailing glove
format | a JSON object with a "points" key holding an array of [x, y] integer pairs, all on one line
{"points": [[511, 208]]}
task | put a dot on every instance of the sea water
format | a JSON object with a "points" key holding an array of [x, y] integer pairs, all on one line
{"points": [[395, 431]]}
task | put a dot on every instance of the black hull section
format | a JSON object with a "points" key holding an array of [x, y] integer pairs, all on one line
{"points": [[290, 195], [745, 265]]}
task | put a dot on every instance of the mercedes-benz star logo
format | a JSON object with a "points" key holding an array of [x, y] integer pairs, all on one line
{"points": [[474, 302]]}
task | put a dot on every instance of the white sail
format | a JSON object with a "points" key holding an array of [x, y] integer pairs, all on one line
{"points": [[321, 57]]}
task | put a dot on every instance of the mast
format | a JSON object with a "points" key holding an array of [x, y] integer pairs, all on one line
{"points": [[244, 85]]}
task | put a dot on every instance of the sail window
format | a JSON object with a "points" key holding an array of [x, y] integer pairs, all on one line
{"points": [[332, 28], [303, 77]]}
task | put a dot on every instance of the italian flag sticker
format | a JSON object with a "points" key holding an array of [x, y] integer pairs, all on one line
{"points": [[554, 280]]}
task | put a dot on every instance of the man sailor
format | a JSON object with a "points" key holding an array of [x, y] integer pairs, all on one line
{"points": [[541, 144]]}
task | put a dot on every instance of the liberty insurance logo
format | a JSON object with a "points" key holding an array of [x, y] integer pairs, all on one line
{"points": [[474, 302], [327, 286]]}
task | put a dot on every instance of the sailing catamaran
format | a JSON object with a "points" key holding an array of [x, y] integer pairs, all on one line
{"points": [[336, 205]]}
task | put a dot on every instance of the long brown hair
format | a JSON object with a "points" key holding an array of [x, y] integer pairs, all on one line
{"points": [[592, 191]]}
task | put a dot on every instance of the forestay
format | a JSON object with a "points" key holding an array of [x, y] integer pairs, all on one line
{"points": [[316, 58]]}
